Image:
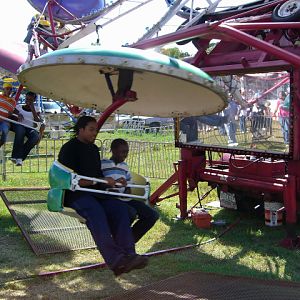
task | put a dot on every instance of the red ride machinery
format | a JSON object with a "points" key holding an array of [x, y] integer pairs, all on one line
{"points": [[261, 40]]}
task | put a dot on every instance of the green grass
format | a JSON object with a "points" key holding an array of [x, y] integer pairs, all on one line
{"points": [[249, 249]]}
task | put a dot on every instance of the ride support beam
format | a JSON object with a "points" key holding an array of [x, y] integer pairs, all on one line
{"points": [[290, 201], [19, 91], [155, 197], [295, 126], [265, 25], [243, 182], [50, 8], [109, 110], [260, 44], [253, 12], [182, 184]]}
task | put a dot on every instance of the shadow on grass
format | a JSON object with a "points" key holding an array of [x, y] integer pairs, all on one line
{"points": [[249, 249]]}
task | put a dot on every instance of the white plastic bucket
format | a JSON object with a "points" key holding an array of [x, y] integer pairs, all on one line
{"points": [[273, 217]]}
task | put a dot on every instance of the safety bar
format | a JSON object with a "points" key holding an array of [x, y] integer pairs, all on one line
{"points": [[38, 124], [76, 187]]}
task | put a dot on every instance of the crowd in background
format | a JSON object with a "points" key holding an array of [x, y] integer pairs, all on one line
{"points": [[253, 115]]}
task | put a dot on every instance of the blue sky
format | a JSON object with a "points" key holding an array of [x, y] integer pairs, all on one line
{"points": [[16, 15]]}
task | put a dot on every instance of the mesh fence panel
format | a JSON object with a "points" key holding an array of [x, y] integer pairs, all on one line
{"points": [[46, 232], [144, 158]]}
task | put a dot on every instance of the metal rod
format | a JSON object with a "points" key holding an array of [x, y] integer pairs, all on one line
{"points": [[264, 25], [109, 110], [260, 44], [155, 253], [14, 215]]}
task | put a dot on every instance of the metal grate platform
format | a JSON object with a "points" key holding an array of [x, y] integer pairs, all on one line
{"points": [[197, 285], [46, 232]]}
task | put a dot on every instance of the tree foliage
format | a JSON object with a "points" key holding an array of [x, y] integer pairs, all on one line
{"points": [[174, 52]]}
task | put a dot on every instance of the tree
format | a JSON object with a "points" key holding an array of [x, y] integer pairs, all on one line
{"points": [[174, 52]]}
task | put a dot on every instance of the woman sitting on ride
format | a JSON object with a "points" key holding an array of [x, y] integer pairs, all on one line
{"points": [[107, 218]]}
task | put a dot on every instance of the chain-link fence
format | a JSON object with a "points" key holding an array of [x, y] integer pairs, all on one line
{"points": [[151, 159]]}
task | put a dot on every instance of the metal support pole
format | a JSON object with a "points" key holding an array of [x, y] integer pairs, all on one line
{"points": [[295, 114], [248, 39], [289, 198], [182, 183], [109, 110], [50, 7]]}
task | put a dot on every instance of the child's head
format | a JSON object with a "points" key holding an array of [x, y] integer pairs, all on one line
{"points": [[119, 149]]}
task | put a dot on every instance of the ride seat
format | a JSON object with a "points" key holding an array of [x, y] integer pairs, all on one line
{"points": [[62, 178], [138, 179]]}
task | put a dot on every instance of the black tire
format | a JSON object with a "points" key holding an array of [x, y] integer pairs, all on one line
{"points": [[288, 11]]}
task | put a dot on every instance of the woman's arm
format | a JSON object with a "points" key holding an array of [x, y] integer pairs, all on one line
{"points": [[36, 115]]}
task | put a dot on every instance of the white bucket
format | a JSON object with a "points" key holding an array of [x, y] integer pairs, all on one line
{"points": [[273, 217]]}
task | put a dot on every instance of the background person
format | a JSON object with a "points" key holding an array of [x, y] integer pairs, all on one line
{"points": [[283, 114], [230, 113], [27, 114], [117, 168], [7, 107], [107, 218]]}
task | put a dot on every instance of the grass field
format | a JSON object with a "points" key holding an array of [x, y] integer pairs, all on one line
{"points": [[249, 249]]}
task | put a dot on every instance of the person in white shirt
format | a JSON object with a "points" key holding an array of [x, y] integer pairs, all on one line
{"points": [[29, 113]]}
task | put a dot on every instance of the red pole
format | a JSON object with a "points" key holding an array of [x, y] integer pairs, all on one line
{"points": [[253, 12], [20, 88], [295, 113], [109, 110], [274, 87], [155, 253], [289, 199], [182, 183], [260, 44], [154, 198], [264, 25], [50, 5]]}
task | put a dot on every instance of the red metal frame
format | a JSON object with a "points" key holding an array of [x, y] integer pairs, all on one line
{"points": [[239, 52], [41, 35]]}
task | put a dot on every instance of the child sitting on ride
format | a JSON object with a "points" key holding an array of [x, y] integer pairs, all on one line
{"points": [[117, 168], [7, 107]]}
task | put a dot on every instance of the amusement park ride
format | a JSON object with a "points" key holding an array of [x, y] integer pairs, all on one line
{"points": [[262, 37]]}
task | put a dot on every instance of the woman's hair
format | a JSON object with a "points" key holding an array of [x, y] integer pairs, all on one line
{"points": [[117, 142], [32, 94], [283, 94], [81, 123]]}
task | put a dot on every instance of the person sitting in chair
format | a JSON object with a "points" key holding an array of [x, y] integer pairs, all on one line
{"points": [[117, 168], [28, 113], [7, 107], [106, 217]]}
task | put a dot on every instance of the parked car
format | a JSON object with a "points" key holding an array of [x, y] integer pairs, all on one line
{"points": [[51, 107], [143, 122]]}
